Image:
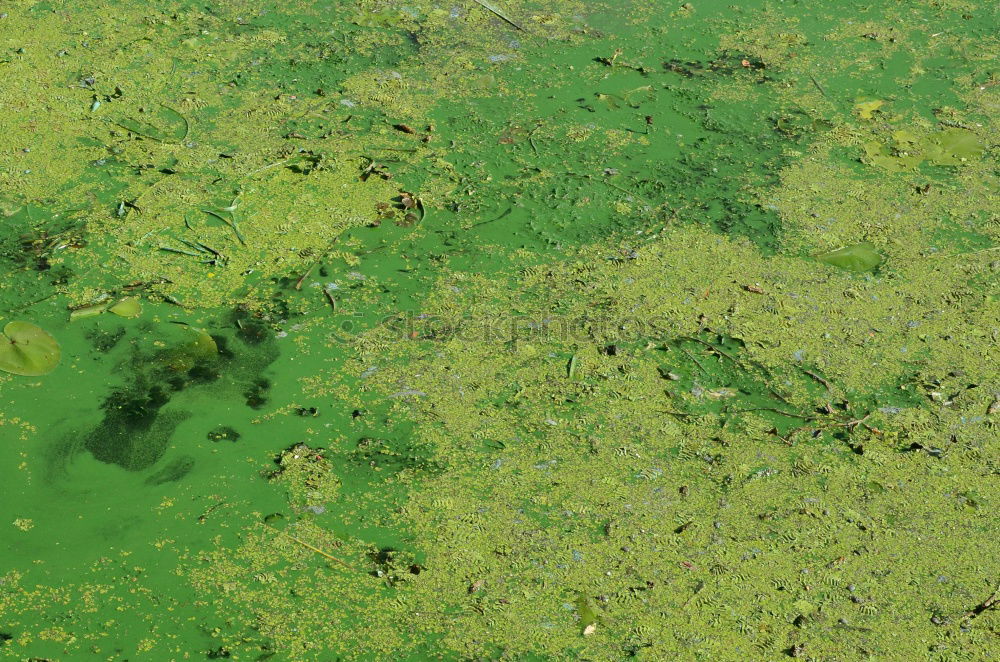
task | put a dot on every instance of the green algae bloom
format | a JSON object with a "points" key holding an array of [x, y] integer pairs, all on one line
{"points": [[525, 317]]}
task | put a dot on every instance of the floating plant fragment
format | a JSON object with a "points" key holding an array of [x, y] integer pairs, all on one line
{"points": [[28, 350], [203, 346], [587, 614], [87, 311], [858, 258], [127, 307]]}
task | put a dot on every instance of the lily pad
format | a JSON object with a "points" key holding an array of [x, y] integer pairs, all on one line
{"points": [[28, 350], [858, 258], [128, 307]]}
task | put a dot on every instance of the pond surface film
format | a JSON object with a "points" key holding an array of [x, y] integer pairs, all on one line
{"points": [[508, 330]]}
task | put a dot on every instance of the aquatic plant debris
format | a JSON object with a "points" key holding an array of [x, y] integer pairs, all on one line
{"points": [[127, 307], [856, 257], [489, 6], [507, 330]]}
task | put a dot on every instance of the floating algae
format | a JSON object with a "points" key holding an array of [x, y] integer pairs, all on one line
{"points": [[857, 257], [621, 478], [954, 146], [906, 150]]}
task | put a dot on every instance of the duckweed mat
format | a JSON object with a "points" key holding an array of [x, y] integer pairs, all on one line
{"points": [[508, 330]]}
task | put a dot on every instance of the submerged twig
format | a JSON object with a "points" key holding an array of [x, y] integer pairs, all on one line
{"points": [[310, 547], [298, 283], [329, 297], [230, 222], [178, 250], [777, 411], [696, 361], [817, 378], [982, 250], [818, 86], [490, 7], [710, 346], [984, 605], [148, 134], [322, 256], [476, 225]]}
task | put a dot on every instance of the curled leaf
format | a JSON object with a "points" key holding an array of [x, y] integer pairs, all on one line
{"points": [[28, 350], [87, 311]]}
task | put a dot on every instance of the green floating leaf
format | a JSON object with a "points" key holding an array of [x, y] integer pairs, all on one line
{"points": [[128, 307], [28, 350], [87, 311], [857, 257], [203, 346]]}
